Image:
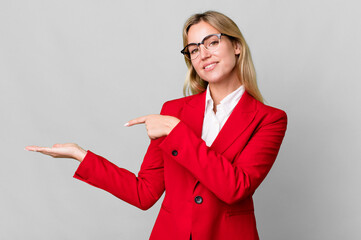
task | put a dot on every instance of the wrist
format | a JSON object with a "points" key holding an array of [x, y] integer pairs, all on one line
{"points": [[173, 123], [80, 155]]}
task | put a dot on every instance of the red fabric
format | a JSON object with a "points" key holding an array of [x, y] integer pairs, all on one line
{"points": [[225, 175]]}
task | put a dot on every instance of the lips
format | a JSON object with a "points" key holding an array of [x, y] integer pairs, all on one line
{"points": [[209, 66]]}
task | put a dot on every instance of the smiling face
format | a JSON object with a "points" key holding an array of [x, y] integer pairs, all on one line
{"points": [[218, 67]]}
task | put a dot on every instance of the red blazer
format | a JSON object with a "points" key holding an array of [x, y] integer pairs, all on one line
{"points": [[208, 190]]}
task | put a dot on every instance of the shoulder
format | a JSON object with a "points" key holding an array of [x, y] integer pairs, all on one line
{"points": [[269, 114], [175, 106], [270, 110]]}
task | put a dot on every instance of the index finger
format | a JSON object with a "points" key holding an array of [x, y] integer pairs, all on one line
{"points": [[37, 148], [135, 121]]}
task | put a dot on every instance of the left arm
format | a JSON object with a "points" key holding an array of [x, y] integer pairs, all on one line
{"points": [[230, 180]]}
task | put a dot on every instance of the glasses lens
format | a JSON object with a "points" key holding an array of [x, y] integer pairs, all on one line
{"points": [[193, 51], [211, 43]]}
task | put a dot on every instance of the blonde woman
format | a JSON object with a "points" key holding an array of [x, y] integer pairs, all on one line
{"points": [[210, 150]]}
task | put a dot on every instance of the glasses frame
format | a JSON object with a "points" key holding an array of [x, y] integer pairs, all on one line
{"points": [[187, 54]]}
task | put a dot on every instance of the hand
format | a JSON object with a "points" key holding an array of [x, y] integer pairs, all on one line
{"points": [[67, 150], [157, 125]]}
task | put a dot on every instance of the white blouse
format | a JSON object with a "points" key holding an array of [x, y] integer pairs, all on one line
{"points": [[213, 122]]}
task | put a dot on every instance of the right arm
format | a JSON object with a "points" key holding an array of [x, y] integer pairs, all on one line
{"points": [[142, 191]]}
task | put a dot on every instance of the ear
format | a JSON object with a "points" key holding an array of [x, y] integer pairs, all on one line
{"points": [[237, 48]]}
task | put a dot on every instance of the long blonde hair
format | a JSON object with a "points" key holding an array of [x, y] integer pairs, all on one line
{"points": [[246, 72]]}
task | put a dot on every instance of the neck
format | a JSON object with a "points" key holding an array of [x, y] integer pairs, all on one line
{"points": [[219, 91]]}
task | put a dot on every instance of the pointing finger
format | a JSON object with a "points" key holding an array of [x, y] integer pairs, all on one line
{"points": [[135, 121]]}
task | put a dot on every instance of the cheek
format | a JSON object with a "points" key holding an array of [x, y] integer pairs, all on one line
{"points": [[230, 60], [196, 66]]}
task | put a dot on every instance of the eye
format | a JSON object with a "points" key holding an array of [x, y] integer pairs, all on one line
{"points": [[214, 43], [193, 50], [211, 42]]}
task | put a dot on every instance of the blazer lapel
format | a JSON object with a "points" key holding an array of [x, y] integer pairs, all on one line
{"points": [[238, 121], [240, 118], [193, 112]]}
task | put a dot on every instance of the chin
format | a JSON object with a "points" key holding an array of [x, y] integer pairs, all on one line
{"points": [[213, 79]]}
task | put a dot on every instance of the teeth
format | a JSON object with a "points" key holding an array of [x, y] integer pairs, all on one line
{"points": [[209, 66]]}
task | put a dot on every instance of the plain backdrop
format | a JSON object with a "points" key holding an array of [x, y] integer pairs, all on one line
{"points": [[76, 71]]}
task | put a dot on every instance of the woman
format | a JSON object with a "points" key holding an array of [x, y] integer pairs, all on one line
{"points": [[209, 151]]}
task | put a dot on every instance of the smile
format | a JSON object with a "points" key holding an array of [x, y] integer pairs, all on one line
{"points": [[210, 66]]}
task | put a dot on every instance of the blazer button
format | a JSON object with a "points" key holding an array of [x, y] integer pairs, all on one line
{"points": [[175, 153], [198, 199]]}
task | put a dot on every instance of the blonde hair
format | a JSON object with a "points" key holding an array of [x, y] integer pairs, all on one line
{"points": [[245, 69]]}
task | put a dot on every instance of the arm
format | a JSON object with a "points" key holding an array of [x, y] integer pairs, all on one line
{"points": [[142, 191], [229, 179]]}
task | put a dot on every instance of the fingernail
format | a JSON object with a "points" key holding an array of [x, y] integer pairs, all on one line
{"points": [[30, 150], [126, 125]]}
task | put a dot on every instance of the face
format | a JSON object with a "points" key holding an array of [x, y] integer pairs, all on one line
{"points": [[218, 66]]}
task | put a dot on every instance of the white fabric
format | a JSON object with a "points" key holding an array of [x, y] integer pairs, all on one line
{"points": [[213, 122]]}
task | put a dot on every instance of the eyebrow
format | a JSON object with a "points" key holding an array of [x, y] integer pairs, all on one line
{"points": [[202, 39]]}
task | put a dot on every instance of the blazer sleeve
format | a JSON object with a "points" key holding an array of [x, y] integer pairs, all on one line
{"points": [[142, 191], [231, 180]]}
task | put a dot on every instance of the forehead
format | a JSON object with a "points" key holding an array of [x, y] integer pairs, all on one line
{"points": [[198, 31]]}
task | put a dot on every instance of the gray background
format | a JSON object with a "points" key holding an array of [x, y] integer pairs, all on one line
{"points": [[76, 71]]}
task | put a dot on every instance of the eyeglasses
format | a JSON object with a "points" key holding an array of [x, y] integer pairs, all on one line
{"points": [[210, 42]]}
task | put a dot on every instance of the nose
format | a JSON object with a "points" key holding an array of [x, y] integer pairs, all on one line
{"points": [[203, 52]]}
